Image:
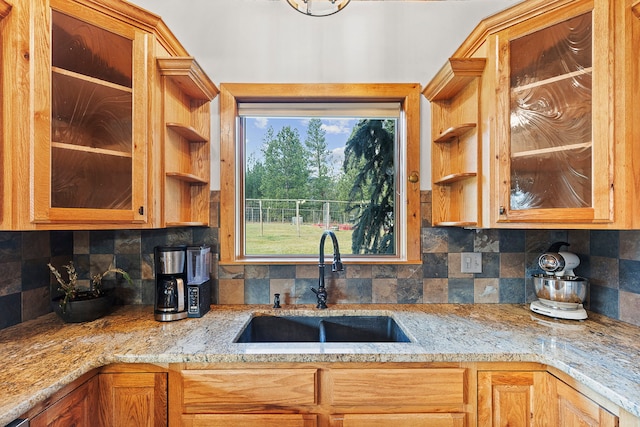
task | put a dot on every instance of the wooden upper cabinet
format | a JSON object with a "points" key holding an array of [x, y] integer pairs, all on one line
{"points": [[554, 136], [553, 115], [90, 107], [87, 152]]}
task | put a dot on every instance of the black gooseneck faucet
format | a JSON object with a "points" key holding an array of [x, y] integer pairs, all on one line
{"points": [[321, 292]]}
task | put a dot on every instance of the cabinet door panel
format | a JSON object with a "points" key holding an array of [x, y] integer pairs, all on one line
{"points": [[515, 399], [250, 387], [257, 420], [399, 420], [77, 409], [133, 399], [373, 387], [576, 410]]}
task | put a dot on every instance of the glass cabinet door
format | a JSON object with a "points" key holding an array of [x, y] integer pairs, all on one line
{"points": [[550, 117], [90, 133], [91, 116], [554, 101]]}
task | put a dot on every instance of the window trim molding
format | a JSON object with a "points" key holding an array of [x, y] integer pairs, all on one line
{"points": [[232, 93]]}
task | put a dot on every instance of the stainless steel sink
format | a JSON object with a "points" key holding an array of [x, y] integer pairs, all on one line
{"points": [[266, 329]]}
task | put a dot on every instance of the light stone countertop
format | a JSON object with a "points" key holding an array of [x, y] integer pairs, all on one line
{"points": [[41, 356]]}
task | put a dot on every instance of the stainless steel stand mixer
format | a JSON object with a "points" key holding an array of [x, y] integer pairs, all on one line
{"points": [[560, 292]]}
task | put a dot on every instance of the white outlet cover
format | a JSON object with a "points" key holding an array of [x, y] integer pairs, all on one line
{"points": [[471, 262]]}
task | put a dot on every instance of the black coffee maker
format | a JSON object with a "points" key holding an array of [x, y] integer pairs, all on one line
{"points": [[171, 283]]}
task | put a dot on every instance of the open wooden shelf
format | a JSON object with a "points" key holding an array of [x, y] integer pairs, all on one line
{"points": [[187, 177], [187, 132], [454, 132], [454, 177]]}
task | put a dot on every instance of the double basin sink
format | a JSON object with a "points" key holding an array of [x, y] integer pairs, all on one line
{"points": [[279, 329]]}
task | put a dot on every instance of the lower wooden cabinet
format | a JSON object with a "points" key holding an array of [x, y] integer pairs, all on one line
{"points": [[133, 399], [322, 395], [76, 409], [577, 410], [535, 398]]}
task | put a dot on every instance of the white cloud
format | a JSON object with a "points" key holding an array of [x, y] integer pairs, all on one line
{"points": [[261, 122], [337, 126]]}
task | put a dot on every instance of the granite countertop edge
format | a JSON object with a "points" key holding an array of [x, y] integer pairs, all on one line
{"points": [[43, 355]]}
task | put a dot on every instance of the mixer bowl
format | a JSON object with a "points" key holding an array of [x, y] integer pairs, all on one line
{"points": [[563, 292]]}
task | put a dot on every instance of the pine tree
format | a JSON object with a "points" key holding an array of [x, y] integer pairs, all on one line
{"points": [[370, 151]]}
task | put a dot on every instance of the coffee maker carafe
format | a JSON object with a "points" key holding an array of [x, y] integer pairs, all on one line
{"points": [[171, 283]]}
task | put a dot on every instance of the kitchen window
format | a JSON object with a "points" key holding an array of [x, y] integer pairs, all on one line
{"points": [[267, 216]]}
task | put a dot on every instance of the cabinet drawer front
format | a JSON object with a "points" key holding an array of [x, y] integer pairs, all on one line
{"points": [[400, 420], [257, 420], [249, 386], [404, 387]]}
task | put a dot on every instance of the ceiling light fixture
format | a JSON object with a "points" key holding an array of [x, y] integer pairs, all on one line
{"points": [[318, 7]]}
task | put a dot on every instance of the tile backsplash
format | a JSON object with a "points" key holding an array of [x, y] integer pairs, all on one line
{"points": [[609, 259]]}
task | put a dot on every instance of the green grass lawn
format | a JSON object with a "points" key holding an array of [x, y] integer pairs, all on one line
{"points": [[281, 238]]}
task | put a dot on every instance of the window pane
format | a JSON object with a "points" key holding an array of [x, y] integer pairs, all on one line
{"points": [[304, 175]]}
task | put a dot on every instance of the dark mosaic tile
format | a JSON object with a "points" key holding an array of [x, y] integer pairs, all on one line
{"points": [[10, 310], [512, 291], [539, 241], [460, 240], [604, 300], [287, 271], [128, 294], [127, 242], [605, 243], [512, 240], [461, 291], [11, 274], [35, 244], [130, 263], [35, 302], [359, 291], [409, 291], [602, 271], [381, 271], [61, 243], [530, 290], [487, 240], [81, 242], [148, 292], [35, 274], [82, 264], [179, 236], [304, 295], [102, 242], [10, 246], [256, 271], [490, 265], [256, 291], [434, 240], [435, 265], [630, 276], [205, 236], [152, 238], [630, 244], [580, 241]]}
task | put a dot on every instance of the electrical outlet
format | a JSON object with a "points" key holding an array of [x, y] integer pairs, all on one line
{"points": [[471, 262]]}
